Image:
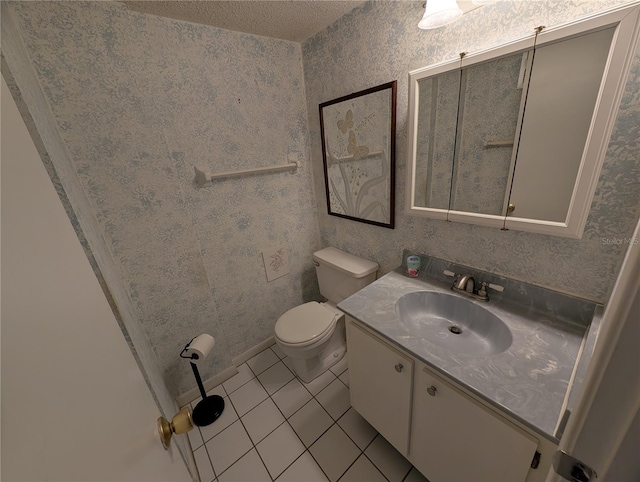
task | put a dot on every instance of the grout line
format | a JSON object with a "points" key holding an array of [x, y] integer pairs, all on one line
{"points": [[376, 467], [251, 369], [239, 387]]}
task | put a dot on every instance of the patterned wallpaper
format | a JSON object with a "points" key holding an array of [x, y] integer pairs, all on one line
{"points": [[380, 42], [139, 100]]}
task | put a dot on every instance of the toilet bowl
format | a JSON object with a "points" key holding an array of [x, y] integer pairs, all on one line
{"points": [[312, 335]]}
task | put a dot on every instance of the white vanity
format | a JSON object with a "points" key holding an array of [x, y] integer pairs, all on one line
{"points": [[489, 414]]}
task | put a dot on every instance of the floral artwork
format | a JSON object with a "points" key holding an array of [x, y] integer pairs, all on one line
{"points": [[276, 263], [358, 145]]}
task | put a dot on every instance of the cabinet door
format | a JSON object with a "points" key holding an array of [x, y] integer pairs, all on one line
{"points": [[454, 438], [380, 379]]}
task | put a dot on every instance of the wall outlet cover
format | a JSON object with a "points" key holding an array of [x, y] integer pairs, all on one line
{"points": [[276, 262]]}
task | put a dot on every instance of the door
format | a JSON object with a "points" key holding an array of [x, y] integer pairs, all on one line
{"points": [[454, 438], [75, 406], [380, 385], [604, 431]]}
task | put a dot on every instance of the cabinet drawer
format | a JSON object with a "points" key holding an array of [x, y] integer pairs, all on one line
{"points": [[453, 438]]}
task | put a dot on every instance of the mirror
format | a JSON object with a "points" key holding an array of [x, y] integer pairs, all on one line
{"points": [[514, 137], [358, 149]]}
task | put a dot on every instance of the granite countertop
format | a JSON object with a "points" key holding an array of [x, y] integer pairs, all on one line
{"points": [[530, 381]]}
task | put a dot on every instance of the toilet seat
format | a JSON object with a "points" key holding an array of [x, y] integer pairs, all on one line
{"points": [[306, 324]]}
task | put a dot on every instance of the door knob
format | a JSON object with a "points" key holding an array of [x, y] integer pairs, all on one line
{"points": [[180, 423], [399, 367], [432, 391]]}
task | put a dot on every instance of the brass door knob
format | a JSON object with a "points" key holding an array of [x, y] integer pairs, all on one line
{"points": [[180, 423]]}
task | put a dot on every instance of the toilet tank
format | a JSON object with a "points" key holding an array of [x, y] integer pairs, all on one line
{"points": [[341, 274]]}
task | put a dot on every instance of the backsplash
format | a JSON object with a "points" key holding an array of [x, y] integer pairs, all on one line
{"points": [[139, 100], [380, 42], [526, 296]]}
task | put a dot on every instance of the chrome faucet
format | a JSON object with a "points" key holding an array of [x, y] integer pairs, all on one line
{"points": [[465, 284]]}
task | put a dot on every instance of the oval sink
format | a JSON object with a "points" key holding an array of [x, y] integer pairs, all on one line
{"points": [[453, 322]]}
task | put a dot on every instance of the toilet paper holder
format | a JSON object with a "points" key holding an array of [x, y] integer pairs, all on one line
{"points": [[209, 409]]}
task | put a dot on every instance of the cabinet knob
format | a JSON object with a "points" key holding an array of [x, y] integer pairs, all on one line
{"points": [[432, 391], [399, 367]]}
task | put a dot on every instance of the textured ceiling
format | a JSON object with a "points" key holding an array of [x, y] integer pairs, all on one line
{"points": [[290, 20]]}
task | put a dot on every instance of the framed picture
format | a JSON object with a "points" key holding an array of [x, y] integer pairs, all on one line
{"points": [[358, 149]]}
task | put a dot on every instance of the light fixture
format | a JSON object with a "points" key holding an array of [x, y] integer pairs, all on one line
{"points": [[438, 13]]}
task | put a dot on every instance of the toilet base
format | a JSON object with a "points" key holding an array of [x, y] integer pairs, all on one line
{"points": [[309, 369]]}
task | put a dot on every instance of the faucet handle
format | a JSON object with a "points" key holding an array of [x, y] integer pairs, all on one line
{"points": [[446, 272], [484, 287], [496, 287]]}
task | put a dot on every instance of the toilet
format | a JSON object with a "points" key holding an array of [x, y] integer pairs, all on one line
{"points": [[312, 335]]}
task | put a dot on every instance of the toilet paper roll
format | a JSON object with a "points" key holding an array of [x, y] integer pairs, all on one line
{"points": [[200, 347]]}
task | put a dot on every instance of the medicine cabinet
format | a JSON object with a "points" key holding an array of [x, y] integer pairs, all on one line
{"points": [[514, 137]]}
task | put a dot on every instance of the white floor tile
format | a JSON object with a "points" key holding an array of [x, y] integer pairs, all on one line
{"points": [[415, 476], [228, 446], [204, 465], [363, 471], [262, 420], [248, 396], [278, 351], [344, 378], [335, 452], [335, 399], [310, 422], [388, 460], [305, 469], [291, 397], [248, 469], [357, 428], [228, 416], [341, 366], [219, 390], [275, 377], [262, 361], [317, 384], [243, 376], [195, 438], [280, 449], [287, 361]]}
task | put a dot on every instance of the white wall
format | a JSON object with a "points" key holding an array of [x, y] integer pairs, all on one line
{"points": [[74, 403]]}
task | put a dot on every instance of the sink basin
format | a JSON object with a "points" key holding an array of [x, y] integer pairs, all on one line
{"points": [[453, 322]]}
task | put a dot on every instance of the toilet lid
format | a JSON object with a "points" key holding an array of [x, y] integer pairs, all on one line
{"points": [[304, 323]]}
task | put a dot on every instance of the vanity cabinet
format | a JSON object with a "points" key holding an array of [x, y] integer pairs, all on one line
{"points": [[380, 379], [454, 438], [447, 434]]}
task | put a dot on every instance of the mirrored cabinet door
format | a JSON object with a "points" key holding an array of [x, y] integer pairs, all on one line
{"points": [[436, 138], [491, 96], [514, 137], [564, 87]]}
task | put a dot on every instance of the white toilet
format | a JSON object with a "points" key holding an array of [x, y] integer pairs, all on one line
{"points": [[312, 335]]}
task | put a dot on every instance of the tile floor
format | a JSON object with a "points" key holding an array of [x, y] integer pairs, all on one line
{"points": [[274, 427]]}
